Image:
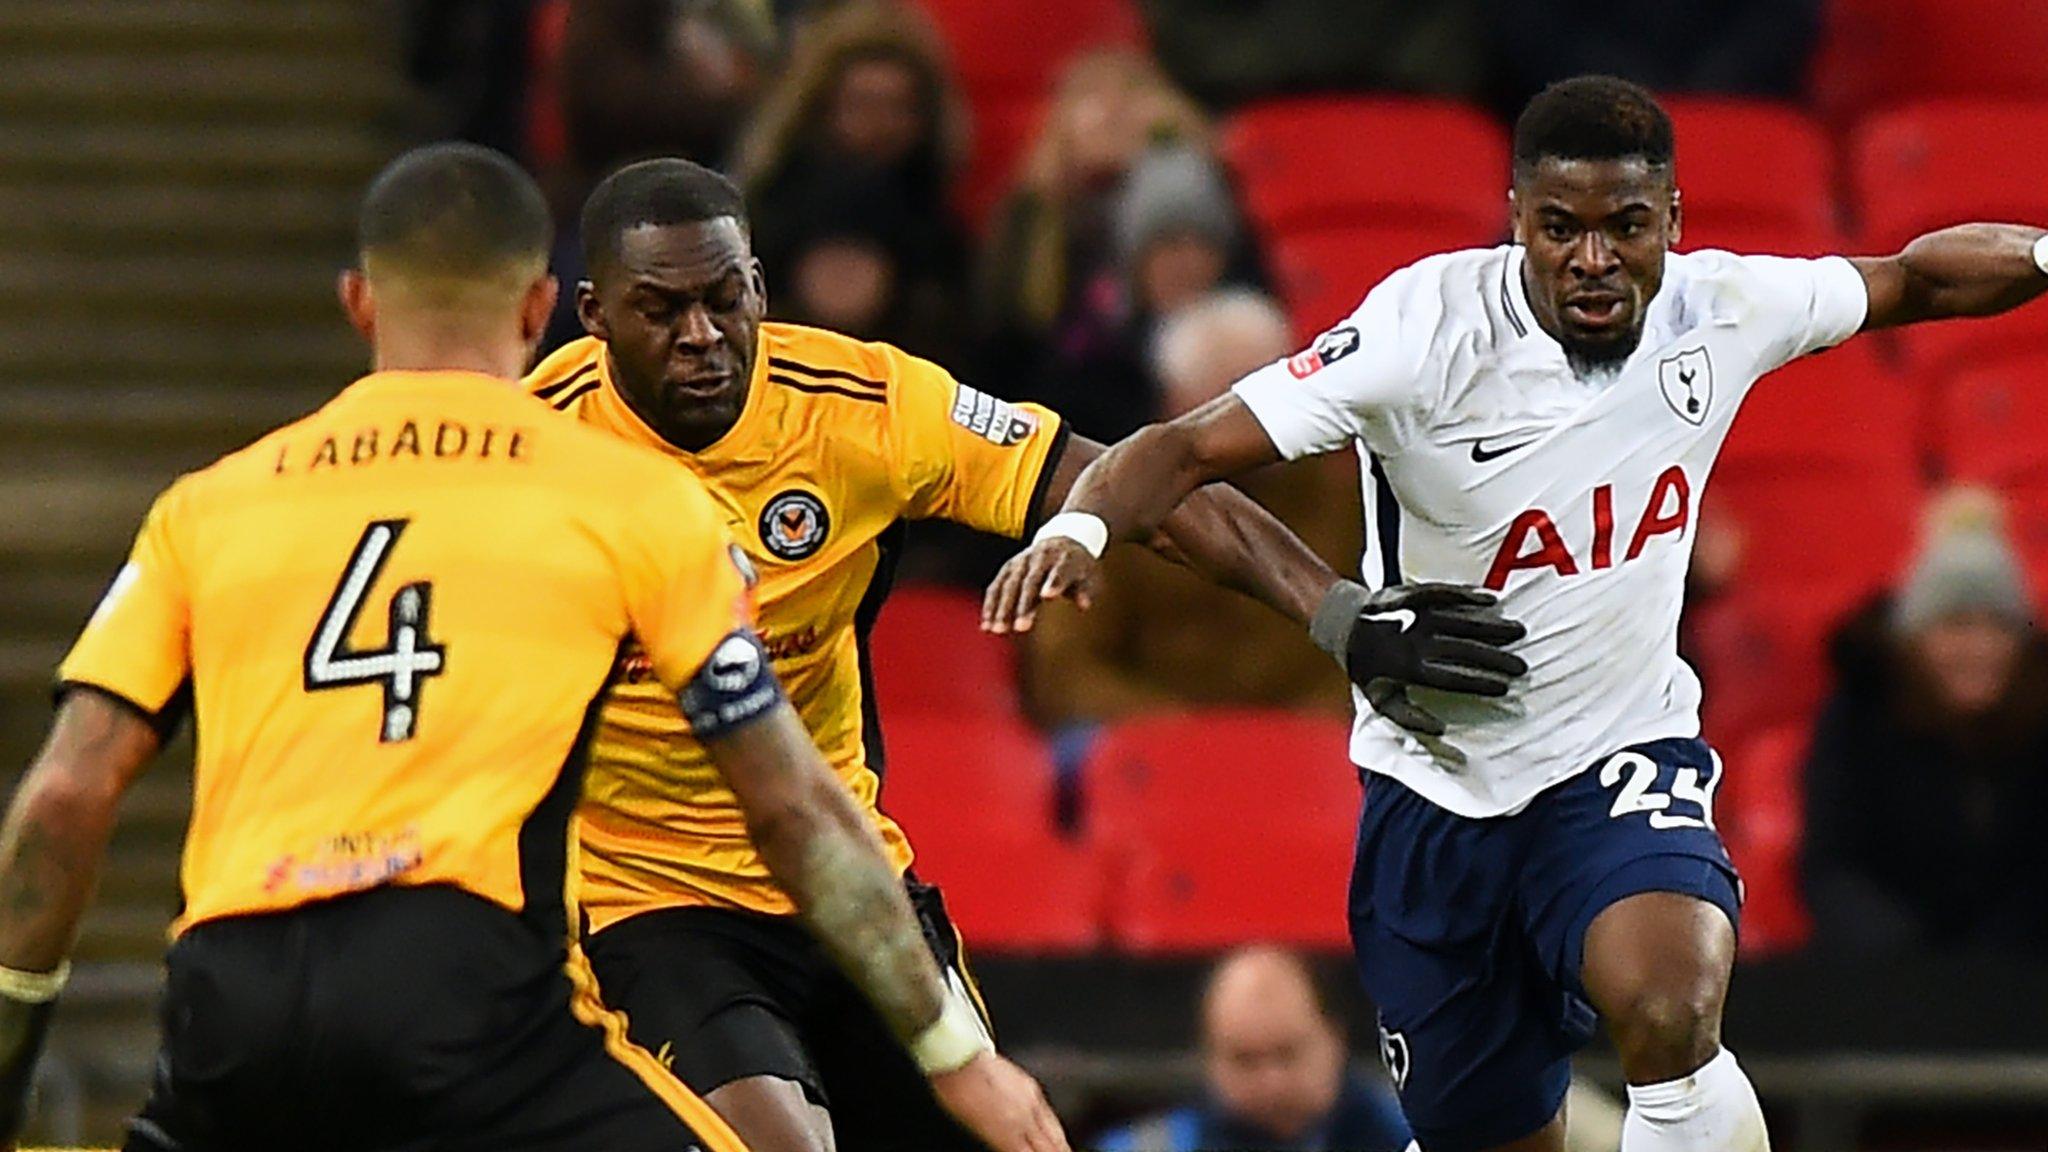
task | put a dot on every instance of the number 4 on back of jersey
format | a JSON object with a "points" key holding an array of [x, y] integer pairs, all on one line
{"points": [[408, 657]]}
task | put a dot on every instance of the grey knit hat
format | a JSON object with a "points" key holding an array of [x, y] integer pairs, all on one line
{"points": [[1966, 565], [1174, 189]]}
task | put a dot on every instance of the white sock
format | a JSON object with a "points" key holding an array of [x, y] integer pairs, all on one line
{"points": [[1712, 1110]]}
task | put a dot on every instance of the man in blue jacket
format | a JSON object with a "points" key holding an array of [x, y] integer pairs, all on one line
{"points": [[1276, 1072]]}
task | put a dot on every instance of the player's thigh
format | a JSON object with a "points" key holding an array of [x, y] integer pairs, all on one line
{"points": [[1471, 1030], [880, 1100], [608, 1093], [773, 1115], [1639, 824], [713, 994]]}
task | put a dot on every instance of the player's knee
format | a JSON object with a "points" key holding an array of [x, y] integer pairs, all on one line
{"points": [[1667, 1029]]}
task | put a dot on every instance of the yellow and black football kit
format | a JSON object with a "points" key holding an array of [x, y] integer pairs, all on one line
{"points": [[839, 442], [393, 621]]}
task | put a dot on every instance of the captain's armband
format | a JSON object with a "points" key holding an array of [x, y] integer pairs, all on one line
{"points": [[735, 687]]}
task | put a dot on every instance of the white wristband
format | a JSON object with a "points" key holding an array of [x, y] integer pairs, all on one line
{"points": [[1083, 528], [2041, 254], [953, 1040], [33, 987]]}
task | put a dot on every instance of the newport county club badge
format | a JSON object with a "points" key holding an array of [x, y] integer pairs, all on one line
{"points": [[1688, 383], [794, 525]]}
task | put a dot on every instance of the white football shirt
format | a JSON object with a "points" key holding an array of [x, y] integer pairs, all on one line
{"points": [[1488, 461]]}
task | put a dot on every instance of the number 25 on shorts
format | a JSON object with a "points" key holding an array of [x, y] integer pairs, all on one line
{"points": [[1638, 795]]}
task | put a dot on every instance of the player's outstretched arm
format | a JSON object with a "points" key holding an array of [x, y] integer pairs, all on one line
{"points": [[1968, 270], [1129, 491], [50, 853], [827, 856], [1218, 532]]}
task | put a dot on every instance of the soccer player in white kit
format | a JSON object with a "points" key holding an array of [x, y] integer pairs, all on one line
{"points": [[1537, 423]]}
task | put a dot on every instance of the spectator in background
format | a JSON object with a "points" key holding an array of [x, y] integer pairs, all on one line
{"points": [[862, 139], [1229, 52], [1055, 291], [1274, 1066], [470, 61], [1732, 47], [1927, 786], [1151, 640], [641, 78]]}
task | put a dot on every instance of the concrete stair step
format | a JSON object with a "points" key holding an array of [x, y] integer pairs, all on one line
{"points": [[66, 350], [285, 219], [202, 82], [264, 288], [217, 153], [120, 413], [338, 26], [125, 932]]}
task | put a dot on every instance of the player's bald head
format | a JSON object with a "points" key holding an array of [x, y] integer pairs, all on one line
{"points": [[654, 193], [454, 227]]}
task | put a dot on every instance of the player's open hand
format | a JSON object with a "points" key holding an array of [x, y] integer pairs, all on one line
{"points": [[1053, 568], [1000, 1103]]}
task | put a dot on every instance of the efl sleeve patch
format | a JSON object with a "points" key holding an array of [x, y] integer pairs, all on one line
{"points": [[999, 422], [735, 687]]}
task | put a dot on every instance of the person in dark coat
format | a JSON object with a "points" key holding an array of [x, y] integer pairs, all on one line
{"points": [[1927, 785]]}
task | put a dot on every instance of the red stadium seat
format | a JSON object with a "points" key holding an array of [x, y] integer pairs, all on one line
{"points": [[1928, 165], [966, 770], [975, 796], [1322, 273], [930, 655], [1761, 811], [1014, 889], [1750, 164], [1763, 654], [1878, 52], [1995, 431], [1193, 890], [1951, 346], [1822, 476], [1228, 769], [1022, 47], [1756, 237], [1388, 162], [1007, 57]]}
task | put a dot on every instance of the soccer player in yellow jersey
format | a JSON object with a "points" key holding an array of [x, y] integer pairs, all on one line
{"points": [[393, 620], [816, 447]]}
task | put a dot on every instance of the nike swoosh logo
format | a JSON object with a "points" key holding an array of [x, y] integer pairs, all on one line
{"points": [[1480, 455]]}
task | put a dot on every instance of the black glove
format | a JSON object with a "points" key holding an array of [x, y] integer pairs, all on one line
{"points": [[23, 1028], [1450, 637]]}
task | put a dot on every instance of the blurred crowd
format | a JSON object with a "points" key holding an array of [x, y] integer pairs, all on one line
{"points": [[1110, 273]]}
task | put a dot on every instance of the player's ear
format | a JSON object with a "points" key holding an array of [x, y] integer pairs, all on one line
{"points": [[1515, 218], [358, 302], [588, 311], [537, 306], [757, 279], [1677, 218]]}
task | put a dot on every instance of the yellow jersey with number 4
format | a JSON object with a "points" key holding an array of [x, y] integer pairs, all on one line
{"points": [[838, 444], [393, 620]]}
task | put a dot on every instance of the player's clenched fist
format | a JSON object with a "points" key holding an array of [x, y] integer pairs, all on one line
{"points": [[1002, 1104], [1449, 637], [1053, 567]]}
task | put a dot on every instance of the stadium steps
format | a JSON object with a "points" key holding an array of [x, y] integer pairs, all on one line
{"points": [[177, 179]]}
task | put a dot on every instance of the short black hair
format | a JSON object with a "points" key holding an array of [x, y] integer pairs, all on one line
{"points": [[1592, 118], [454, 212], [658, 192]]}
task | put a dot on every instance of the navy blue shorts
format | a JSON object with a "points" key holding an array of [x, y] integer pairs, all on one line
{"points": [[1470, 932]]}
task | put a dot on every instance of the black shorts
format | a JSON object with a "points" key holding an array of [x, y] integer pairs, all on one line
{"points": [[722, 995], [399, 1020]]}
